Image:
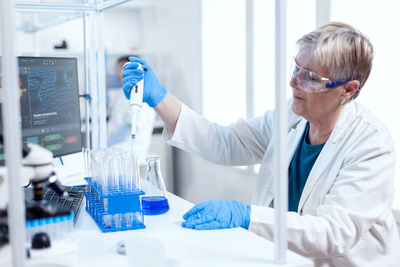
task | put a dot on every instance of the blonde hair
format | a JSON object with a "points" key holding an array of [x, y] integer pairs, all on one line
{"points": [[341, 48]]}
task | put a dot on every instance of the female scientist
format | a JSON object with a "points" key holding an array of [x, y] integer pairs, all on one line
{"points": [[342, 163]]}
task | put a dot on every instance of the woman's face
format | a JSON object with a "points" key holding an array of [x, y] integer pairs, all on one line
{"points": [[315, 106]]}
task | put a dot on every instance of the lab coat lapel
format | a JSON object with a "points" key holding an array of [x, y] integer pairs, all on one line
{"points": [[324, 159], [294, 137], [263, 193], [328, 153]]}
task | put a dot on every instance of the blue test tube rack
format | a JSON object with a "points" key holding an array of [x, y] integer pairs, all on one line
{"points": [[118, 209]]}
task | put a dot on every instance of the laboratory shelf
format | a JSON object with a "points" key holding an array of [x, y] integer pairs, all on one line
{"points": [[39, 23], [58, 6]]}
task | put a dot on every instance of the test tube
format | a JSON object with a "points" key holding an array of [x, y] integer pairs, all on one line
{"points": [[87, 161], [123, 172], [70, 223], [103, 177], [118, 220], [109, 173], [95, 158], [136, 178], [28, 232], [104, 204], [57, 228], [114, 153], [107, 220], [131, 171], [129, 216], [35, 228], [121, 176], [115, 171], [49, 227]]}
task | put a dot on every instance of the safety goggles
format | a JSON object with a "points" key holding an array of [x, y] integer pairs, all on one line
{"points": [[309, 81]]}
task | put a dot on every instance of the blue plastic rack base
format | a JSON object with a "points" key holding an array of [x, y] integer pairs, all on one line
{"points": [[117, 210]]}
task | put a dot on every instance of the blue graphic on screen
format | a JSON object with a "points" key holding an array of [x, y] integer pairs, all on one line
{"points": [[49, 98], [52, 96]]}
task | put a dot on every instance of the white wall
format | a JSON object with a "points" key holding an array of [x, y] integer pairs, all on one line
{"points": [[224, 59], [195, 179], [380, 22]]}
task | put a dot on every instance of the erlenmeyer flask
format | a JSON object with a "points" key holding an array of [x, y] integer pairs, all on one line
{"points": [[155, 200]]}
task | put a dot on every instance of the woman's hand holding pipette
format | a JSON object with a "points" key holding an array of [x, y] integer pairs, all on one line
{"points": [[153, 91]]}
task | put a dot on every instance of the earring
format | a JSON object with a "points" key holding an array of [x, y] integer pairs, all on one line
{"points": [[343, 101]]}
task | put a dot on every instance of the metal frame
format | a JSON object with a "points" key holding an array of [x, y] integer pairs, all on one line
{"points": [[86, 50], [95, 77], [250, 66], [12, 134], [95, 84], [249, 59], [97, 6], [91, 76], [280, 132], [101, 80]]}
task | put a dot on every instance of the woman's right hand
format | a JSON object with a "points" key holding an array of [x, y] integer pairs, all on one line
{"points": [[153, 92]]}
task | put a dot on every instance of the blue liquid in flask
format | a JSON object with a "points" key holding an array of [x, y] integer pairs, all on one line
{"points": [[154, 205]]}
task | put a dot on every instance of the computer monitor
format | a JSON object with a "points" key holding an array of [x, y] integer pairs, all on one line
{"points": [[49, 98]]}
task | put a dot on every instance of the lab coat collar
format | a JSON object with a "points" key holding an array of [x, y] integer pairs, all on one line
{"points": [[346, 119], [296, 127]]}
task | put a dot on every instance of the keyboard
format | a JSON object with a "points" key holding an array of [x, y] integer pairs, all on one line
{"points": [[72, 202]]}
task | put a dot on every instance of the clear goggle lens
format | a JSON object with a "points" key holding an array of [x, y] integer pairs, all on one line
{"points": [[308, 81]]}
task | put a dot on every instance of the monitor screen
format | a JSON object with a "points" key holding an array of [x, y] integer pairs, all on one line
{"points": [[49, 98]]}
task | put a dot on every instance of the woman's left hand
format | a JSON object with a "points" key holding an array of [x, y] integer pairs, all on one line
{"points": [[217, 214]]}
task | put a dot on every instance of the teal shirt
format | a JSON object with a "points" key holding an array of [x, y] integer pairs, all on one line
{"points": [[300, 167]]}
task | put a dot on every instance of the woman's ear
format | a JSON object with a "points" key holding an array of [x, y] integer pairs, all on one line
{"points": [[351, 88]]}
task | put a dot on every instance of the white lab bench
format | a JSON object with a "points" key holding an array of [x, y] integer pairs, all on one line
{"points": [[183, 247]]}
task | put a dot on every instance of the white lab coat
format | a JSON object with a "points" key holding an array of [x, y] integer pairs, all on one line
{"points": [[344, 216]]}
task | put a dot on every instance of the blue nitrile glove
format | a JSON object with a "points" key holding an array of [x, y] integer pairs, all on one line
{"points": [[153, 91], [217, 214]]}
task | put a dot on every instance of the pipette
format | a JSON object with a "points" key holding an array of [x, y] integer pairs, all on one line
{"points": [[136, 102]]}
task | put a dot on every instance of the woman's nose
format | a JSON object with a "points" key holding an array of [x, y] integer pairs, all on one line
{"points": [[293, 82]]}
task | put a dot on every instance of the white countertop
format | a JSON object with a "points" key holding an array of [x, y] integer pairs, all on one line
{"points": [[183, 247]]}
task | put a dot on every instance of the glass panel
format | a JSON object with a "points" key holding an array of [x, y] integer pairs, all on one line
{"points": [[54, 34], [52, 1], [31, 22]]}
